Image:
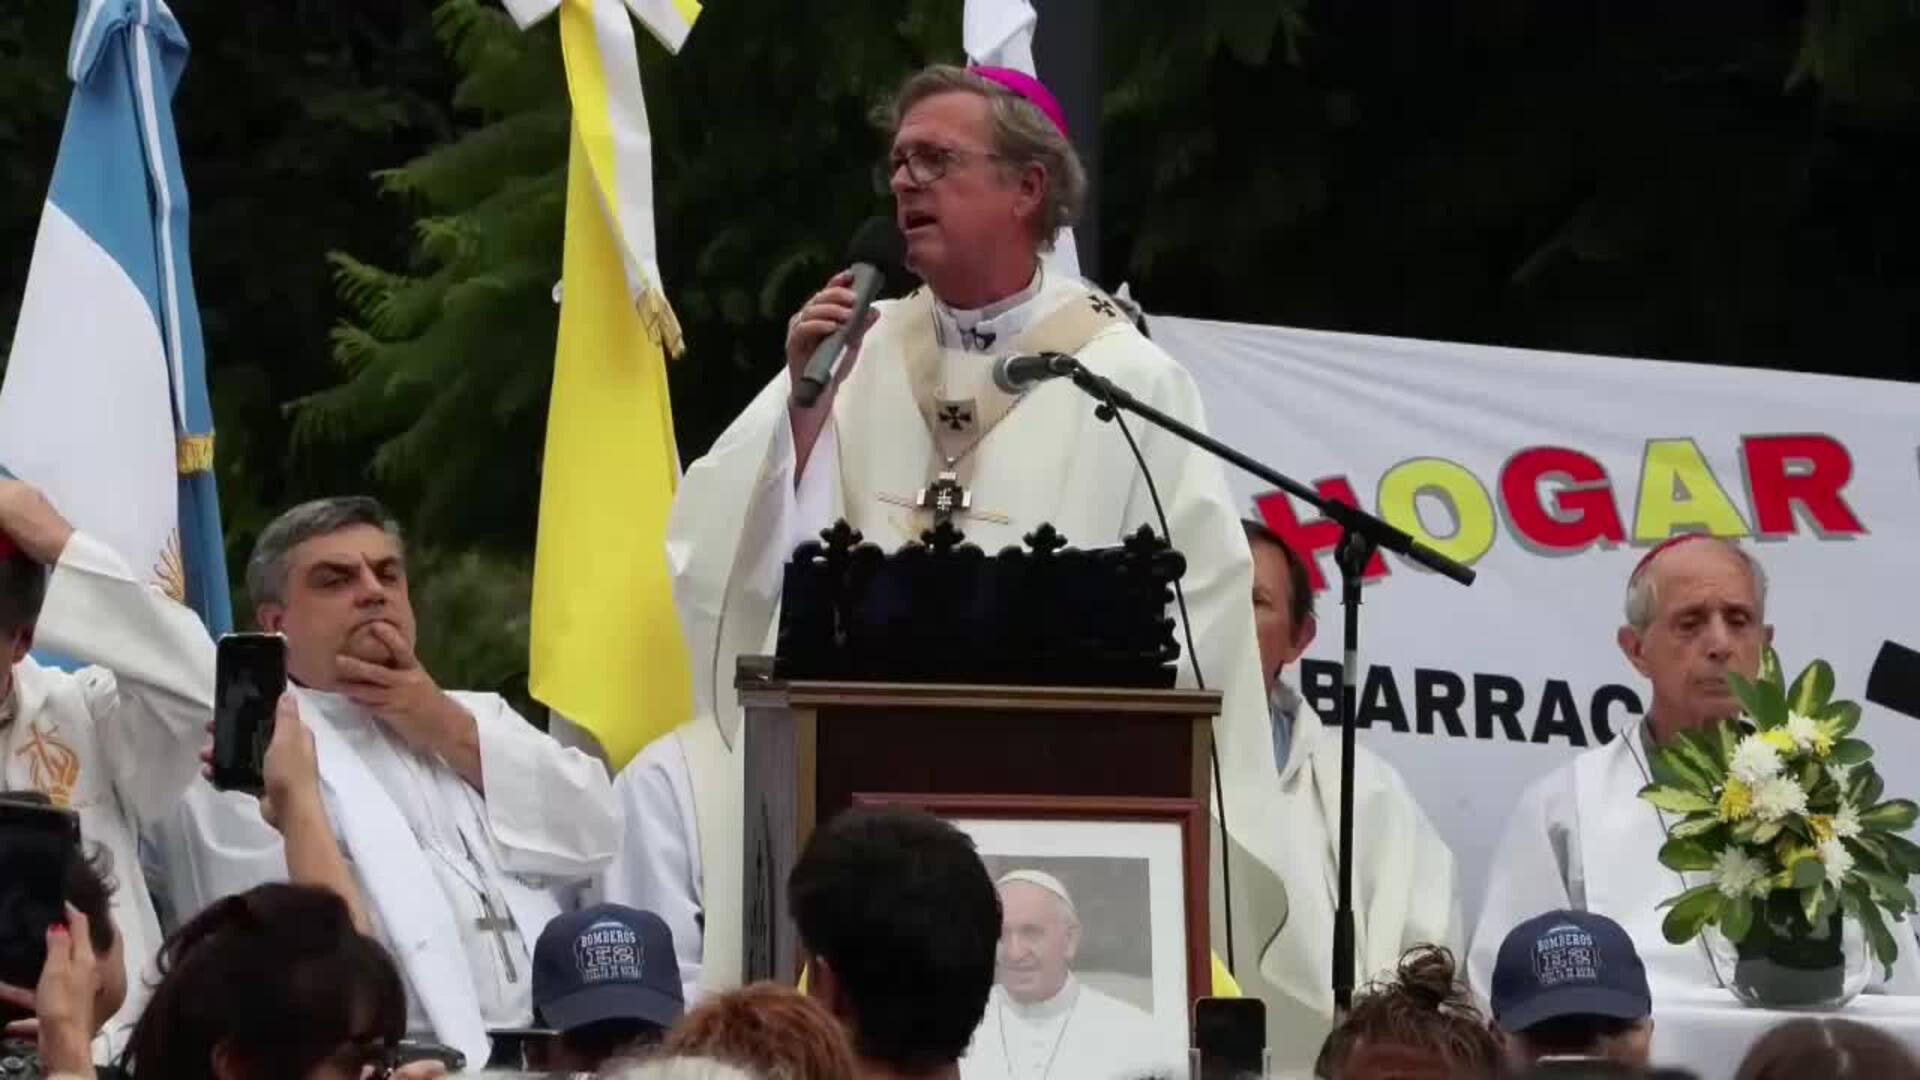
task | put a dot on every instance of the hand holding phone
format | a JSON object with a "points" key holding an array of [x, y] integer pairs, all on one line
{"points": [[250, 674], [38, 844]]}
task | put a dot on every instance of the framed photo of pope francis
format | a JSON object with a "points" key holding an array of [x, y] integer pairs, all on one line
{"points": [[1103, 942]]}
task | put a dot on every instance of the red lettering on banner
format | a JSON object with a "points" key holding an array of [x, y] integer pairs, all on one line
{"points": [[1313, 538], [1809, 470], [1583, 510]]}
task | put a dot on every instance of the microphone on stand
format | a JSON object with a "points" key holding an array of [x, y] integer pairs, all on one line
{"points": [[878, 253], [1019, 374]]}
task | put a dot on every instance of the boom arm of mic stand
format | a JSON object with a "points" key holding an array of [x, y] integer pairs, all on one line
{"points": [[1351, 518], [1361, 534]]}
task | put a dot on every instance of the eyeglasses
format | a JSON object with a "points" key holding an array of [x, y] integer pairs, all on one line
{"points": [[924, 164]]}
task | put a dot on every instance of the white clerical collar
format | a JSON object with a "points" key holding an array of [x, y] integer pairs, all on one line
{"points": [[980, 329], [1051, 1009]]}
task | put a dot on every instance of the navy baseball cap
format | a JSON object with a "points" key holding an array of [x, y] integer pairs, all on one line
{"points": [[606, 962], [1568, 963]]}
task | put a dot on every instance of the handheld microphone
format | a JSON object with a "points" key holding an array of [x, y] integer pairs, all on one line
{"points": [[1019, 374], [1895, 681], [877, 253]]}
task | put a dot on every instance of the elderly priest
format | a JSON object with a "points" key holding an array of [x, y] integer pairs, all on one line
{"points": [[1581, 838]]}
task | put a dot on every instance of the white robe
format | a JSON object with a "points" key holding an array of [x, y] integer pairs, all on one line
{"points": [[421, 842], [657, 868], [1080, 1034], [1051, 461], [1582, 839], [118, 741], [1404, 886]]}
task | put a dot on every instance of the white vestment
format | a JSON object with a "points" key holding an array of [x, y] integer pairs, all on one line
{"points": [[118, 742], [1078, 1034], [1404, 888], [658, 867], [432, 856], [1050, 461], [1582, 839]]}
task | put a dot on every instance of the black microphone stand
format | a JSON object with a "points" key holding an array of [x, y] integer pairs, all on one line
{"points": [[1361, 535]]}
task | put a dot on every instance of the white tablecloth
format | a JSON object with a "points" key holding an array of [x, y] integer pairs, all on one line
{"points": [[1709, 1032]]}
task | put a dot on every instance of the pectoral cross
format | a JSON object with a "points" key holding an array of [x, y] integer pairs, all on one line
{"points": [[491, 921], [946, 498]]}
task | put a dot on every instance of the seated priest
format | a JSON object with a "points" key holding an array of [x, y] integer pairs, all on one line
{"points": [[117, 741], [1404, 889], [465, 826], [983, 177], [1581, 838]]}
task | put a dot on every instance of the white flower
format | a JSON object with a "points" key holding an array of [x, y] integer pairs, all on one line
{"points": [[1837, 859], [1846, 821], [1754, 761], [1738, 874], [1839, 773], [1802, 729], [1778, 796]]}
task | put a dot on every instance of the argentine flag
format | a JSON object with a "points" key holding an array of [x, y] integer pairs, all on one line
{"points": [[104, 405]]}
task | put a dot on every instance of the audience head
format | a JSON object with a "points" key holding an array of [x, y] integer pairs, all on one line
{"points": [[1039, 936], [1422, 1023], [1696, 612], [680, 1068], [1830, 1048], [331, 575], [271, 984], [1282, 599], [23, 589], [606, 981], [1571, 984], [900, 923], [769, 1029]]}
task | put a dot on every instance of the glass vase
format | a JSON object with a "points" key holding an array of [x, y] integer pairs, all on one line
{"points": [[1818, 970]]}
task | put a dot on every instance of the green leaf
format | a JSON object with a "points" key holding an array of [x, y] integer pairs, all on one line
{"points": [[1806, 873], [1693, 827], [1764, 701], [1864, 786], [1903, 853], [1841, 717], [1884, 948], [1673, 800], [1894, 815], [1701, 749], [1770, 668], [1816, 901], [1691, 911], [1812, 690], [1850, 752], [1671, 768], [1765, 833], [1889, 891], [1680, 853], [1736, 918]]}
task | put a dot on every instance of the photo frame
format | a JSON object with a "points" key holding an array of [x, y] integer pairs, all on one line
{"points": [[1105, 940]]}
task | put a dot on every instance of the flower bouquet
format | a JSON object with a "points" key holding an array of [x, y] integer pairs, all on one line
{"points": [[1784, 809]]}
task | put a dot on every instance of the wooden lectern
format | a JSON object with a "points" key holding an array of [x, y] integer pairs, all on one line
{"points": [[813, 747]]}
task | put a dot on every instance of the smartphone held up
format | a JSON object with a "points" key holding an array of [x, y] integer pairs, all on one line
{"points": [[250, 674]]}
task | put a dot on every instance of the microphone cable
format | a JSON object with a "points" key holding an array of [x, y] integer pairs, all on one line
{"points": [[1107, 410]]}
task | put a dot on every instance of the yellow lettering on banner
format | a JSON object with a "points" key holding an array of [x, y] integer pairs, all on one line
{"points": [[1679, 493], [1457, 488]]}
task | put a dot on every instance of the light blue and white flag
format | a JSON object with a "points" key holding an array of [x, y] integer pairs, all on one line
{"points": [[104, 405]]}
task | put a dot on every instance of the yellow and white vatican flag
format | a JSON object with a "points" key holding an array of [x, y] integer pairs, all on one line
{"points": [[999, 33], [606, 647]]}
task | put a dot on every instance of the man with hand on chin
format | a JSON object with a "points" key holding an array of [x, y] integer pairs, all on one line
{"points": [[442, 801]]}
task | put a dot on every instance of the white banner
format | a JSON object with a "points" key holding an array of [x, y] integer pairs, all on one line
{"points": [[1551, 474]]}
